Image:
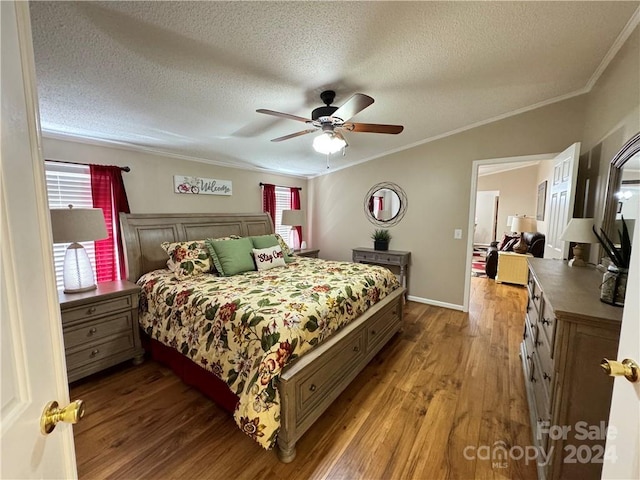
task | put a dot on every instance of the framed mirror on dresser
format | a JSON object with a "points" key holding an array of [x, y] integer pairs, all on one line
{"points": [[622, 197]]}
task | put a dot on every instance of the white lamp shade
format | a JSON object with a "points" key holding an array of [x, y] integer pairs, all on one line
{"points": [[579, 230], [293, 218], [77, 225], [328, 143], [524, 224]]}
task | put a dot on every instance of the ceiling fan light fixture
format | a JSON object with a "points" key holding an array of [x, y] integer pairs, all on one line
{"points": [[328, 143]]}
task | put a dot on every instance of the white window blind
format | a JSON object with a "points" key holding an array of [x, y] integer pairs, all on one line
{"points": [[283, 202], [68, 184]]}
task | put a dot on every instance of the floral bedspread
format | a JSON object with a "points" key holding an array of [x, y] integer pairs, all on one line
{"points": [[246, 328]]}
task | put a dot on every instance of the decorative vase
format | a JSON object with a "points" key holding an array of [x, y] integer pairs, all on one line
{"points": [[614, 286], [380, 245]]}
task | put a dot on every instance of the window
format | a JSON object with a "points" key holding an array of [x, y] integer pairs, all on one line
{"points": [[68, 184], [283, 202]]}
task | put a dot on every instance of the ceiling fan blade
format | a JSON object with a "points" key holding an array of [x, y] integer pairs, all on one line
{"points": [[293, 135], [373, 128], [283, 115], [357, 103]]}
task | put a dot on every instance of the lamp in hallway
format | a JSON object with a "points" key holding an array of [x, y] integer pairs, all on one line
{"points": [[521, 225], [580, 231], [73, 225]]}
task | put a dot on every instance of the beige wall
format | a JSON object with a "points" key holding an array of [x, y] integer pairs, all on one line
{"points": [[518, 193], [437, 180], [436, 177], [150, 183]]}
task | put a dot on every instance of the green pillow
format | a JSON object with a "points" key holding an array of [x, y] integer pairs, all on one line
{"points": [[232, 256], [266, 241]]}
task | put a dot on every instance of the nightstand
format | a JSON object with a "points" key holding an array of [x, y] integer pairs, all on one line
{"points": [[308, 252], [393, 258], [100, 328]]}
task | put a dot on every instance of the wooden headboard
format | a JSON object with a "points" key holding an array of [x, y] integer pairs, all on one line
{"points": [[143, 233]]}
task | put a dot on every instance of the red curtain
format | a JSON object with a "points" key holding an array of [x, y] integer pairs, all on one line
{"points": [[107, 190], [269, 200], [295, 205]]}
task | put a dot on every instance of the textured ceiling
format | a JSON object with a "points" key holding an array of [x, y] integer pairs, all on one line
{"points": [[186, 77]]}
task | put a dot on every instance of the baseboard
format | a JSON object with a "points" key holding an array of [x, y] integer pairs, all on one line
{"points": [[436, 303]]}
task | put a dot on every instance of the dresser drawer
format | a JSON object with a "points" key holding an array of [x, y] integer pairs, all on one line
{"points": [[95, 330], [98, 309], [535, 292], [548, 323], [314, 388], [96, 352], [540, 391]]}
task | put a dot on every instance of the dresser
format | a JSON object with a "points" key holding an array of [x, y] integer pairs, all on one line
{"points": [[387, 258], [100, 328], [567, 332], [513, 268]]}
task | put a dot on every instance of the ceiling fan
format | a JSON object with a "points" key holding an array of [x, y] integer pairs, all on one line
{"points": [[333, 120]]}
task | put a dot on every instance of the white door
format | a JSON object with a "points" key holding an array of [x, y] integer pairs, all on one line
{"points": [[33, 364], [561, 200], [486, 212], [622, 459]]}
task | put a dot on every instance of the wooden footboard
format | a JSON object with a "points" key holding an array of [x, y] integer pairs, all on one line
{"points": [[309, 385]]}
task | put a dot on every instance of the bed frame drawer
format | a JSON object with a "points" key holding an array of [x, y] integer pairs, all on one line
{"points": [[319, 382]]}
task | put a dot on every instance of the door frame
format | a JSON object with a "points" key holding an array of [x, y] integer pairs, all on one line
{"points": [[475, 166]]}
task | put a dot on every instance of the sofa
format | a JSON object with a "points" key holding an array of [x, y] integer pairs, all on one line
{"points": [[535, 246]]}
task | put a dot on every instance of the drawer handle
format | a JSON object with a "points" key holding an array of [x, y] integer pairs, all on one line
{"points": [[536, 297], [91, 310], [94, 353], [373, 332], [92, 330], [356, 348], [546, 376], [312, 388], [546, 321]]}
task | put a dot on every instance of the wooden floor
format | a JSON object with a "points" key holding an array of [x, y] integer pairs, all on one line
{"points": [[449, 383]]}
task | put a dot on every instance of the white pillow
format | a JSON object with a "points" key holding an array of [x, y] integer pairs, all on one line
{"points": [[269, 257]]}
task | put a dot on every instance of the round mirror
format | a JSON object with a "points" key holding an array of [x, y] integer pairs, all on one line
{"points": [[385, 204]]}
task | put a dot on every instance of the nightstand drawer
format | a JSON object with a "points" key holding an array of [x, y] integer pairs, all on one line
{"points": [[359, 256], [97, 309], [96, 330], [99, 351]]}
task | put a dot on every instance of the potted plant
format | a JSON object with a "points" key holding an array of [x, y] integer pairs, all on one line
{"points": [[614, 281], [381, 239]]}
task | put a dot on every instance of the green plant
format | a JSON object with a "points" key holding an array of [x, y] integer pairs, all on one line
{"points": [[621, 257], [381, 235]]}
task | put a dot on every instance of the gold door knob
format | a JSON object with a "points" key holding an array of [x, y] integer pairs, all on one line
{"points": [[51, 415], [627, 367]]}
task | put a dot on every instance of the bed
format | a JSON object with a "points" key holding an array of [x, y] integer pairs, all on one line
{"points": [[308, 383]]}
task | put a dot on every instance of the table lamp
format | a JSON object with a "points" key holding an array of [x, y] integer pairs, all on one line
{"points": [[522, 225], [293, 218], [73, 225], [580, 231]]}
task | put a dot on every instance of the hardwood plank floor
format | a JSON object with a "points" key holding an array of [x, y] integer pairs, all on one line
{"points": [[449, 383]]}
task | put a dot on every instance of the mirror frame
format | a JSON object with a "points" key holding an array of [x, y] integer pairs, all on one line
{"points": [[627, 151], [403, 204]]}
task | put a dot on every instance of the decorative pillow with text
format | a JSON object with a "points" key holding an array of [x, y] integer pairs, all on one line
{"points": [[270, 257]]}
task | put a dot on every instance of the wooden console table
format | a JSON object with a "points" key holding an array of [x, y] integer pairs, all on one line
{"points": [[386, 257]]}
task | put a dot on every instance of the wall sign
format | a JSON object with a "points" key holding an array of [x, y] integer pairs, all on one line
{"points": [[201, 186]]}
